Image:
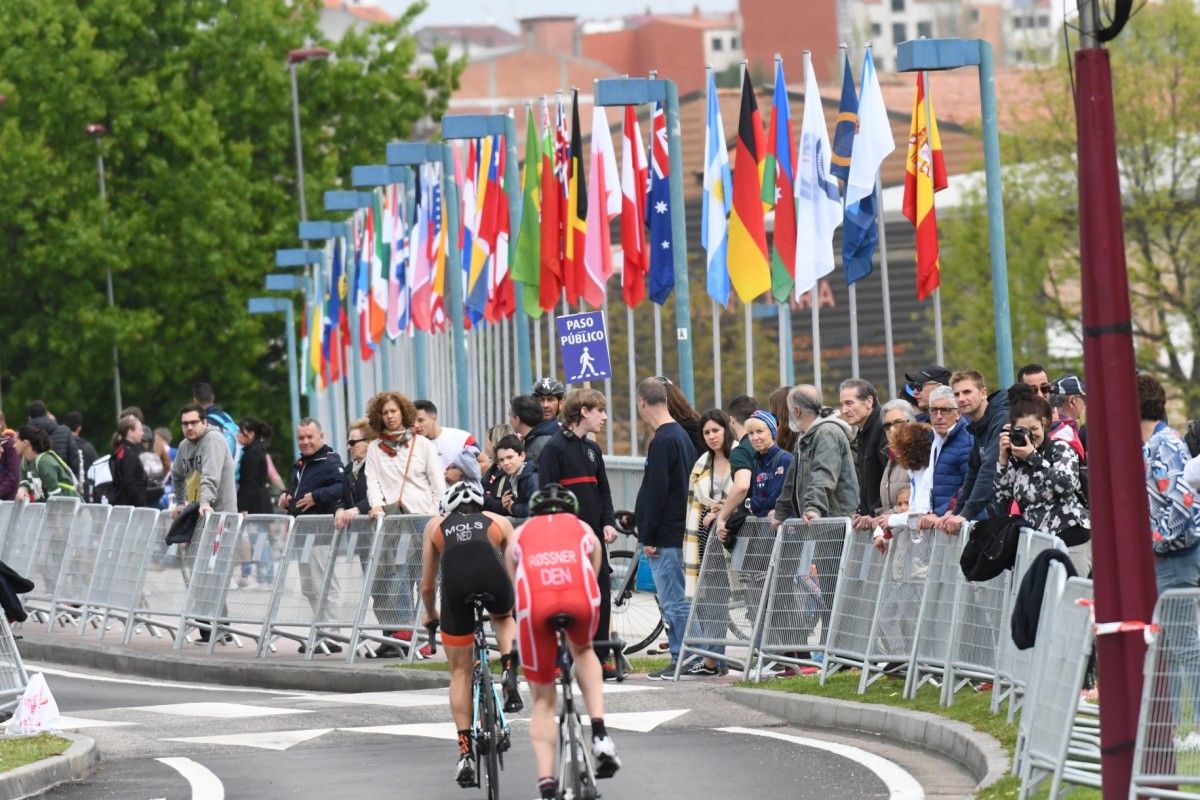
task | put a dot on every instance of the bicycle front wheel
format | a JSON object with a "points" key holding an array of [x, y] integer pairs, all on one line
{"points": [[636, 618]]}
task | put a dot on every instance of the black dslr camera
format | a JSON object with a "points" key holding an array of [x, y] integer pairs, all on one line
{"points": [[1018, 436]]}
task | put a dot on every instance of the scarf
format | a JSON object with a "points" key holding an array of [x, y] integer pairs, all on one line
{"points": [[390, 443]]}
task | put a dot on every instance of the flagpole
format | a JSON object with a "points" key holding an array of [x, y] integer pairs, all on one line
{"points": [[939, 349], [887, 294], [551, 348], [537, 352], [852, 289], [608, 395], [658, 344], [716, 353], [631, 359]]}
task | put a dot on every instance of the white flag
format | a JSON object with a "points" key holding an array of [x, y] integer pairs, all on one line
{"points": [[818, 202], [873, 140]]}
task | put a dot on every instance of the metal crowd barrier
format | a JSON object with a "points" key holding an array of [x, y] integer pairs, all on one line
{"points": [[852, 624], [1050, 745], [116, 584], [391, 582], [207, 580], [1164, 760], [80, 561], [13, 677]]}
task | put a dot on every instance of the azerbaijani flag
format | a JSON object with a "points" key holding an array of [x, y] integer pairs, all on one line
{"points": [[925, 174], [748, 266], [779, 175]]}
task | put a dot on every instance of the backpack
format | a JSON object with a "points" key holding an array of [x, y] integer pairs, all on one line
{"points": [[1192, 437], [229, 430], [98, 486]]}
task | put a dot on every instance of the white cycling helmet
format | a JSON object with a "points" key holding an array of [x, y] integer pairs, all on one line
{"points": [[458, 493]]}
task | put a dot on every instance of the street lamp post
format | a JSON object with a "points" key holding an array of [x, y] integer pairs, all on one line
{"points": [[295, 59], [97, 132], [276, 305]]}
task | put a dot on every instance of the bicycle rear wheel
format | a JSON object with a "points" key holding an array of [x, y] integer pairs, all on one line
{"points": [[636, 618], [575, 781], [489, 748]]}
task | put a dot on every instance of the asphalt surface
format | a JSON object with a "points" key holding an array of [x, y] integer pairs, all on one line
{"points": [[283, 744]]}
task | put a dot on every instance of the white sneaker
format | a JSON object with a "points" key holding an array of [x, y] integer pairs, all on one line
{"points": [[605, 752], [1189, 744]]}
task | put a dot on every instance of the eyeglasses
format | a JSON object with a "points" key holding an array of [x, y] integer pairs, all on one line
{"points": [[887, 426], [352, 442], [941, 410], [187, 423]]}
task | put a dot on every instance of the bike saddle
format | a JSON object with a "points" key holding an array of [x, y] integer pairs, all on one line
{"points": [[481, 598], [560, 622]]}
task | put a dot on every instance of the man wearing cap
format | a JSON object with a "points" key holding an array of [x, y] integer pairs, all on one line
{"points": [[924, 381], [549, 393], [1069, 399]]}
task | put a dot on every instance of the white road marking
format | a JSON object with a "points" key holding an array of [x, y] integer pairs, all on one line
{"points": [[207, 687], [900, 783], [67, 723], [205, 785], [270, 740], [641, 721], [393, 699], [218, 710], [428, 730]]}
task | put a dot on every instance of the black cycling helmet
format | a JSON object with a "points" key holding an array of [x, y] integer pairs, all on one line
{"points": [[549, 387], [554, 498]]}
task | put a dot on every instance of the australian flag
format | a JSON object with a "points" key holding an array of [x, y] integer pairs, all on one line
{"points": [[658, 212]]}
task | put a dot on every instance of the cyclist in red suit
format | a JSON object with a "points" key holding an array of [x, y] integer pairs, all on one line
{"points": [[554, 558]]}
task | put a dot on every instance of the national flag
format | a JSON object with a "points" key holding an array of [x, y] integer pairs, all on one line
{"points": [[575, 220], [873, 143], [633, 211], [335, 320], [526, 266], [495, 229], [819, 204], [778, 188], [847, 124], [603, 204], [658, 211], [418, 243], [479, 205], [552, 205], [438, 251], [748, 266], [362, 281], [925, 174], [312, 339], [398, 289], [718, 192], [380, 253]]}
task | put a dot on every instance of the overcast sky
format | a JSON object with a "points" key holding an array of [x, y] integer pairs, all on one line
{"points": [[507, 12]]}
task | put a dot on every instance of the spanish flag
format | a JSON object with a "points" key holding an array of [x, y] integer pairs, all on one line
{"points": [[575, 222], [925, 174], [749, 269]]}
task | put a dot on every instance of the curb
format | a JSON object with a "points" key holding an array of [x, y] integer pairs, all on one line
{"points": [[983, 756], [258, 673], [80, 760]]}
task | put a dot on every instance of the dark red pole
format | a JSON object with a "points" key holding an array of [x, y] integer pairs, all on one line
{"points": [[1122, 560]]}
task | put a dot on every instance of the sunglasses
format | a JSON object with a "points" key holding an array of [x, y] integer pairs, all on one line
{"points": [[352, 442], [1045, 389], [888, 425]]}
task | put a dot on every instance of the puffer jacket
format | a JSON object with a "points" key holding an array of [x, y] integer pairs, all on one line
{"points": [[951, 468], [822, 478]]}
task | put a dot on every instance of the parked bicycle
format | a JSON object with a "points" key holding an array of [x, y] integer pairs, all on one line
{"points": [[490, 731], [636, 620]]}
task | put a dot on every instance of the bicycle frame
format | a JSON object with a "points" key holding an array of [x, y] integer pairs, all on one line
{"points": [[486, 737], [576, 772]]}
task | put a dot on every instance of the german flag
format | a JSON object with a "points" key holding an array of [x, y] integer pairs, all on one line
{"points": [[749, 269], [925, 173], [576, 217]]}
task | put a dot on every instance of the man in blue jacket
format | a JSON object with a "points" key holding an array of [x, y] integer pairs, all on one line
{"points": [[987, 415], [318, 487], [950, 453]]}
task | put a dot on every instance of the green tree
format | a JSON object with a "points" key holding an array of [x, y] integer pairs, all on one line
{"points": [[201, 187], [1156, 89]]}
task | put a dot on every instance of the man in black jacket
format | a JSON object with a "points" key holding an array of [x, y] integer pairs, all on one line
{"points": [[860, 410], [318, 487], [575, 461]]}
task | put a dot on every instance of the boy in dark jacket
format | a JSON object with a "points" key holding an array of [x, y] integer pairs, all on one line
{"points": [[517, 482]]}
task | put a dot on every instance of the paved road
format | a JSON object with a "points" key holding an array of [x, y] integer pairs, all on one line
{"points": [[178, 741]]}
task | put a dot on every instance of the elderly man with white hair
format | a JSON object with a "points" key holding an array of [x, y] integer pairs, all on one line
{"points": [[822, 480], [950, 454]]}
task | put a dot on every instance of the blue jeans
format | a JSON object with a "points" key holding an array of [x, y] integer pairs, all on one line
{"points": [[1181, 572], [667, 568]]}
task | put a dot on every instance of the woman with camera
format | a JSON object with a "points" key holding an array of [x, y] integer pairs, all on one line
{"points": [[1042, 477]]}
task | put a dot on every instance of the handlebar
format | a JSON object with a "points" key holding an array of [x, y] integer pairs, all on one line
{"points": [[432, 628]]}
